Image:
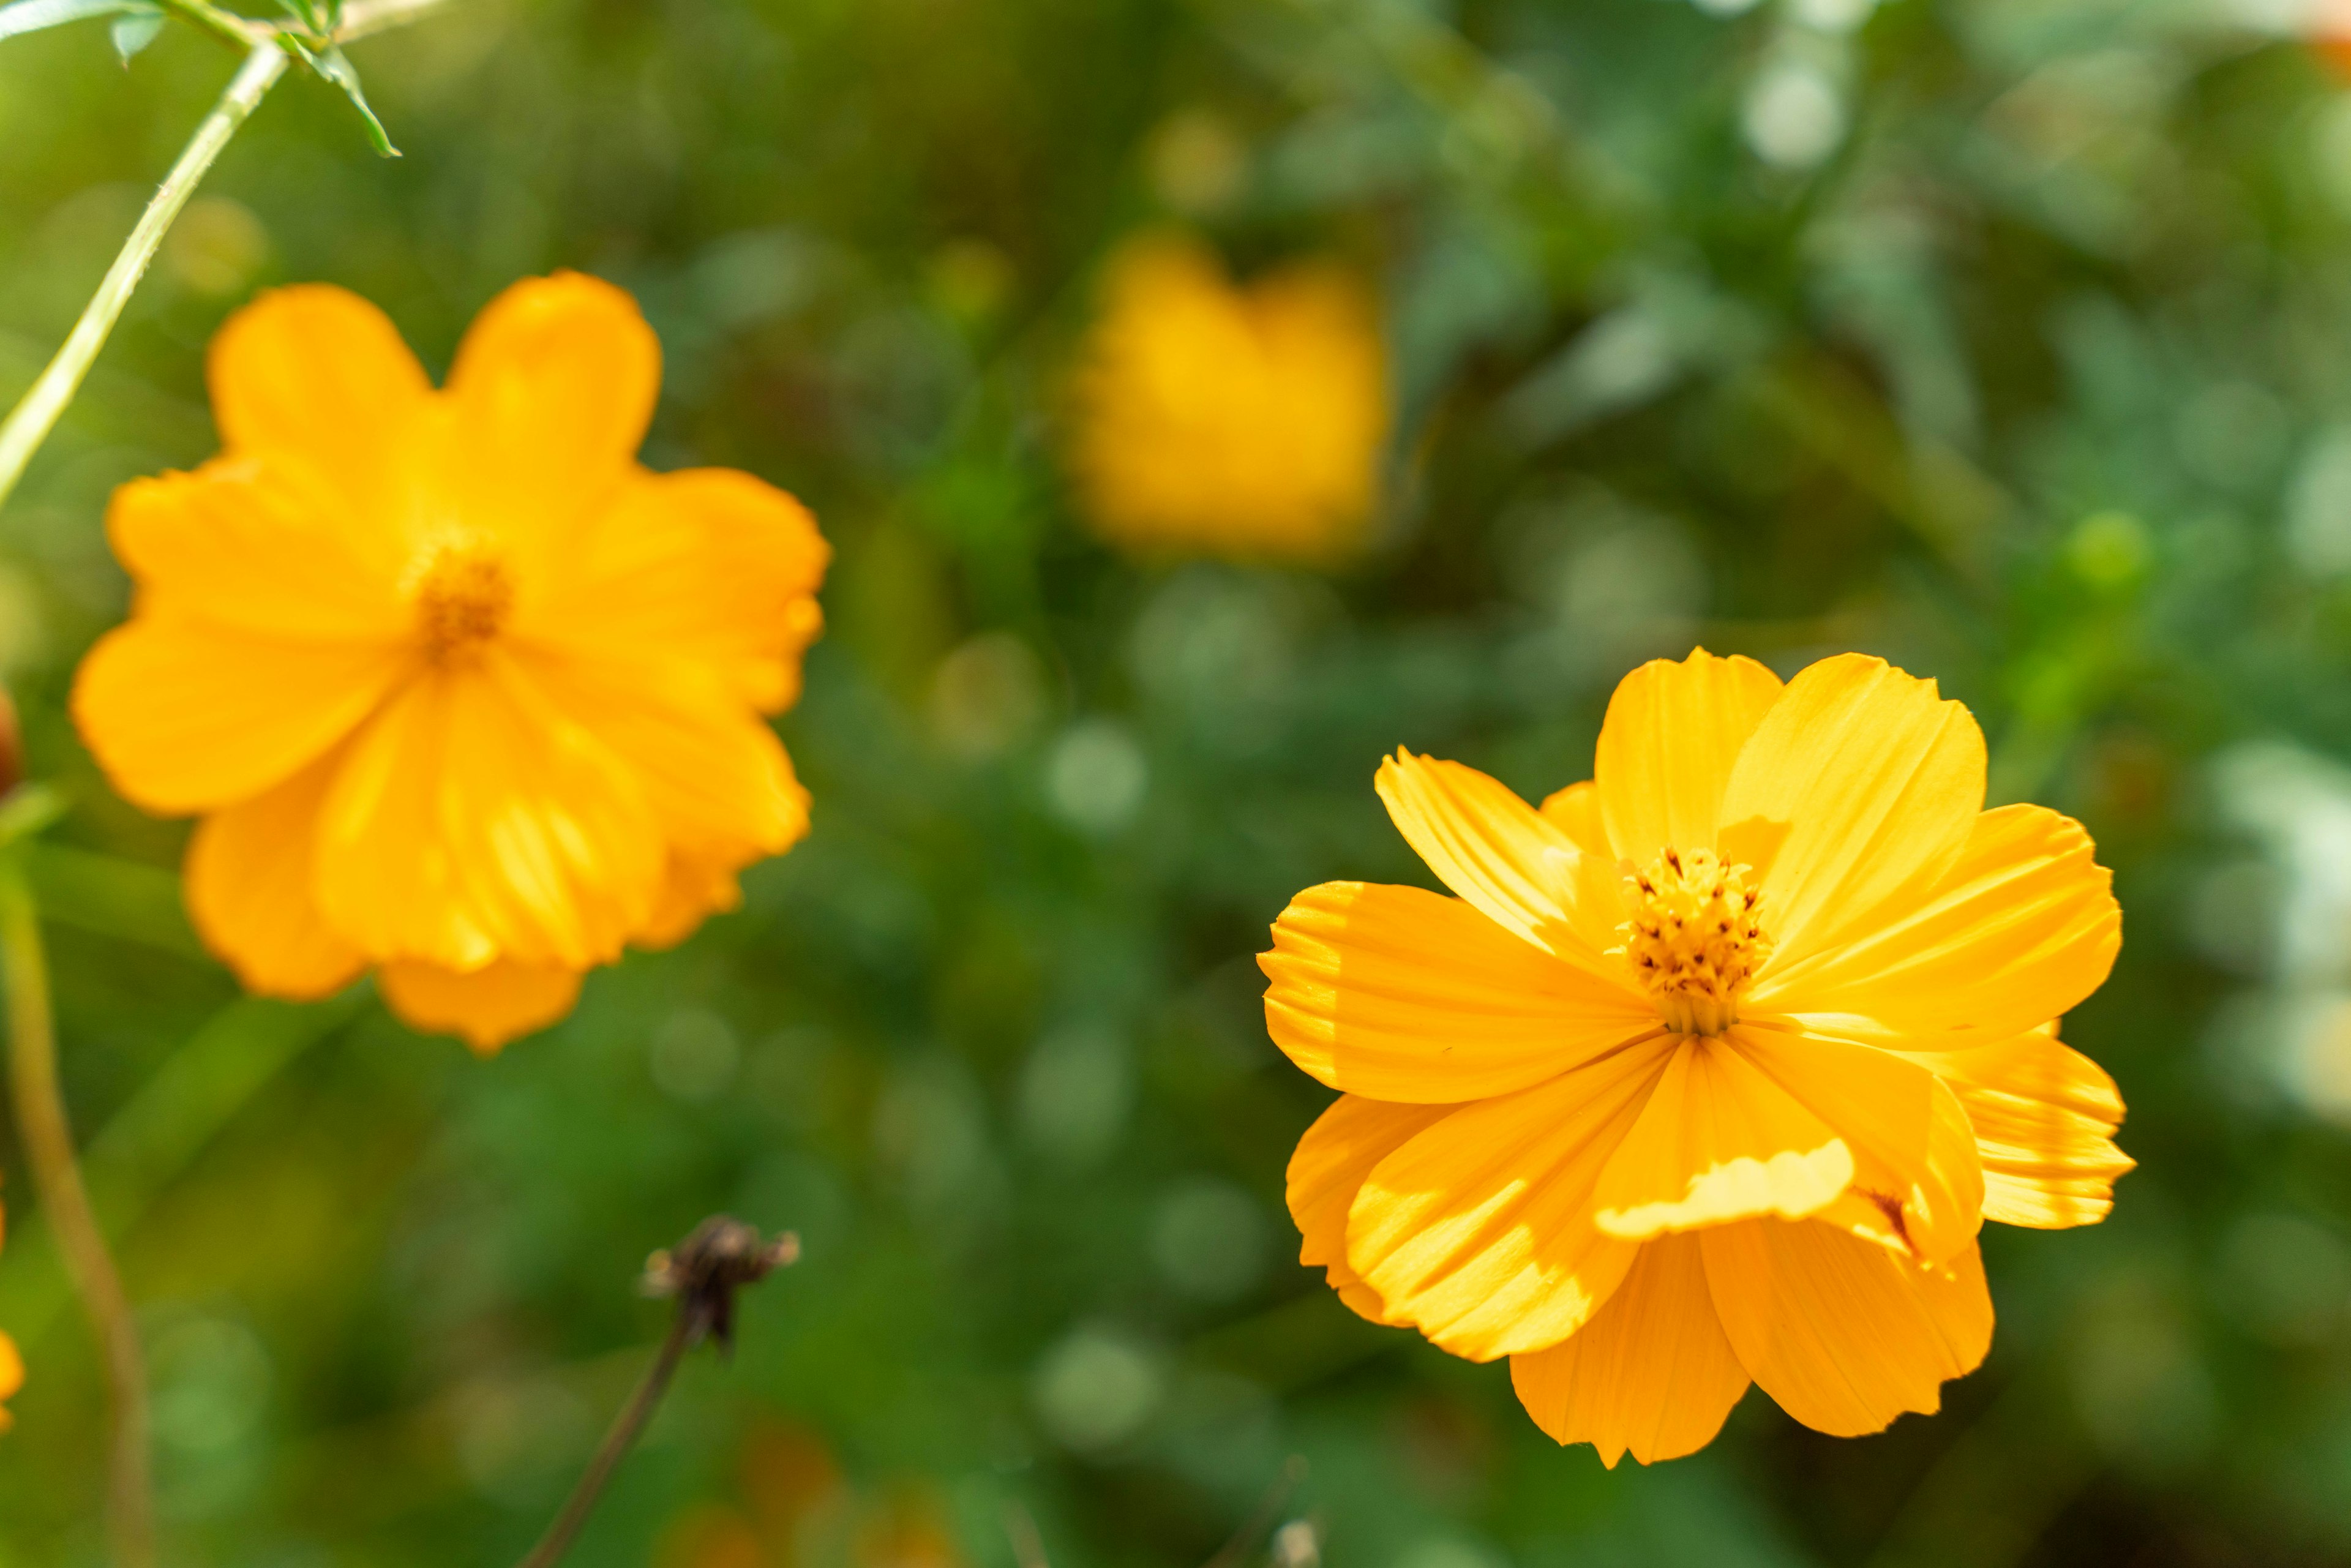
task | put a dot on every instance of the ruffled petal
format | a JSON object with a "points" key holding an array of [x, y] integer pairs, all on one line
{"points": [[1915, 1171], [250, 880], [1478, 1231], [1493, 850], [1845, 1335], [1329, 1168], [485, 1007], [1651, 1374], [692, 891], [2021, 929], [1667, 748], [1860, 781], [186, 717], [2044, 1117], [316, 382], [1403, 994], [549, 401], [475, 821], [709, 565], [1718, 1141]]}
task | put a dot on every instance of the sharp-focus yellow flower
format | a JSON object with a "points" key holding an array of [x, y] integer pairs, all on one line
{"points": [[1714, 1066], [461, 691], [1229, 422]]}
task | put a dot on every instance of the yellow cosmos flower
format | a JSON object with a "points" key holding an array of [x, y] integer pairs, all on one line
{"points": [[12, 1379], [1714, 1066], [1231, 422], [461, 691]]}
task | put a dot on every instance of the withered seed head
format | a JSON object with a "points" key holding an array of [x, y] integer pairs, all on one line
{"points": [[706, 1270]]}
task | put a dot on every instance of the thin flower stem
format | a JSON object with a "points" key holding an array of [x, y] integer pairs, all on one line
{"points": [[682, 1332], [48, 1145]]}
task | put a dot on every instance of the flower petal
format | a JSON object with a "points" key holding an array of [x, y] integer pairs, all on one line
{"points": [[1479, 1232], [1493, 850], [2021, 928], [709, 564], [249, 889], [185, 716], [553, 388], [1403, 994], [1651, 1374], [1329, 1168], [316, 380], [485, 1007], [2044, 1117], [1859, 780], [1667, 748], [475, 821], [692, 891], [1845, 1335], [1718, 1141], [1575, 812], [12, 1378]]}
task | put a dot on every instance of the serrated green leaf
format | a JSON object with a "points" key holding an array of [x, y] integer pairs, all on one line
{"points": [[134, 30], [33, 16]]}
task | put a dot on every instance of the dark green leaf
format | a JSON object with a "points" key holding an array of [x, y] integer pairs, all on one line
{"points": [[33, 16], [134, 30]]}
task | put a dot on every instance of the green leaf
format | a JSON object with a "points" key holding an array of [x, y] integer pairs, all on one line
{"points": [[134, 30], [33, 16], [27, 809], [330, 64]]}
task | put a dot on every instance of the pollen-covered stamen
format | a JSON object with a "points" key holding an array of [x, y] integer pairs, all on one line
{"points": [[1696, 938], [463, 597]]}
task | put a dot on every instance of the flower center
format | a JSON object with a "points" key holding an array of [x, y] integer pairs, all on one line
{"points": [[1696, 938], [462, 598]]}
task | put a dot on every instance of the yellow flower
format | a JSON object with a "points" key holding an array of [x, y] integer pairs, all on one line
{"points": [[12, 1379], [461, 691], [1239, 423], [1714, 1066]]}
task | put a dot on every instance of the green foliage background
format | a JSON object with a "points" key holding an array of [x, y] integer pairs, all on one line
{"points": [[2007, 338]]}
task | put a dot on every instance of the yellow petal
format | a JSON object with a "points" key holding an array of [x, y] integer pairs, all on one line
{"points": [[1718, 1141], [1912, 1146], [185, 716], [473, 821], [12, 1377], [1478, 1231], [1651, 1374], [692, 891], [1845, 1335], [550, 398], [1575, 812], [1667, 748], [316, 381], [1859, 780], [710, 565], [487, 1007], [250, 876], [1496, 852], [1328, 1170], [2020, 929], [2044, 1117], [1403, 994]]}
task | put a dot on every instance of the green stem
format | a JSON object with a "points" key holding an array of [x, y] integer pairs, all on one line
{"points": [[232, 30], [617, 1442], [30, 424], [49, 1146]]}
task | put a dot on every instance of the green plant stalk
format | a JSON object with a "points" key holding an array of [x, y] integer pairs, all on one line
{"points": [[49, 1146], [30, 422]]}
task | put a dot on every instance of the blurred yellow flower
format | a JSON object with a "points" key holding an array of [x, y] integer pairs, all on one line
{"points": [[1245, 422], [1714, 1066], [12, 1368], [461, 691]]}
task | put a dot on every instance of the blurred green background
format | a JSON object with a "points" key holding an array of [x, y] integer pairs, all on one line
{"points": [[2007, 338]]}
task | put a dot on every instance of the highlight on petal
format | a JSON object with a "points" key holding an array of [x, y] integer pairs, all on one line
{"points": [[185, 716], [1651, 1374], [2021, 928], [485, 1007], [2044, 1117], [1493, 850], [1403, 994], [1673, 731], [250, 886], [1478, 1230], [1845, 1335], [1329, 1168], [1718, 1141], [1859, 781]]}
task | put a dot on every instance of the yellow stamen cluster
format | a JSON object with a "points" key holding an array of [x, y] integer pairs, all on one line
{"points": [[463, 599], [1696, 938]]}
